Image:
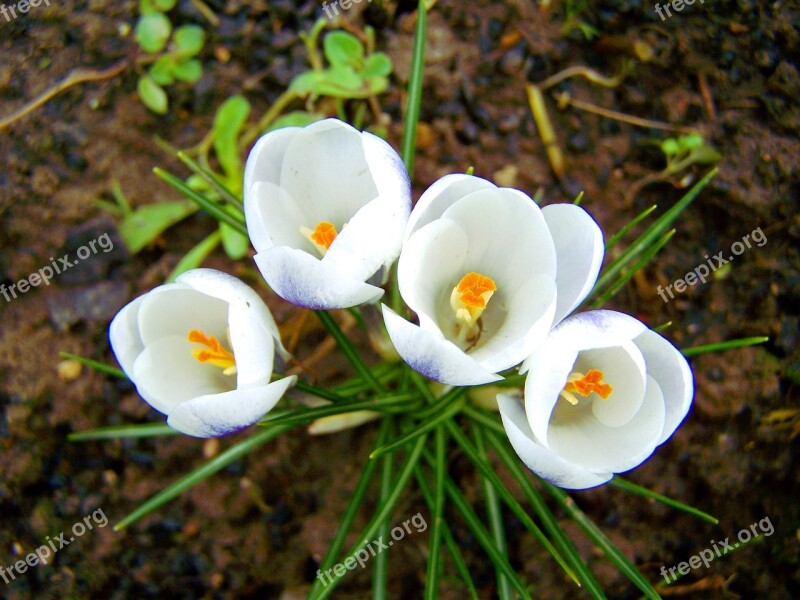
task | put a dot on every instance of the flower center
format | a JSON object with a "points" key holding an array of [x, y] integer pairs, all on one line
{"points": [[578, 383], [471, 296], [213, 353], [322, 236]]}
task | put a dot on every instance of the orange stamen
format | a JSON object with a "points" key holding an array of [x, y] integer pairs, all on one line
{"points": [[213, 353], [471, 296], [322, 236], [592, 381]]}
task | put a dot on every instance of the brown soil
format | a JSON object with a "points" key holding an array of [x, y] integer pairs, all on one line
{"points": [[259, 528]]}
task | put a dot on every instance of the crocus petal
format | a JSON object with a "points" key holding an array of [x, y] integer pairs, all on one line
{"points": [[301, 279], [539, 459], [126, 342], [433, 355], [552, 362], [265, 161], [176, 309], [579, 252], [241, 298], [425, 270], [483, 214], [222, 414], [274, 218], [333, 153], [370, 240], [167, 374], [582, 439], [439, 196], [670, 369], [530, 310]]}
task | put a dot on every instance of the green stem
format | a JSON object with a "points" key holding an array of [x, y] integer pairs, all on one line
{"points": [[414, 90], [349, 351]]}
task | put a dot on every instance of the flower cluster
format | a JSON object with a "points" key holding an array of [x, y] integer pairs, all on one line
{"points": [[491, 278]]}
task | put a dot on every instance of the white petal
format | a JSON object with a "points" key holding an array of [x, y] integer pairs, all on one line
{"points": [[529, 315], [579, 253], [430, 260], [594, 329], [265, 161], [670, 369], [274, 218], [539, 459], [176, 309], [326, 172], [237, 293], [587, 442], [123, 333], [551, 363], [167, 374], [301, 279], [432, 355], [370, 240], [440, 195], [508, 239], [222, 414], [252, 344], [624, 369]]}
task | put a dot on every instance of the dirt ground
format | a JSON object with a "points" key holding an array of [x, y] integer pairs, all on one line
{"points": [[259, 528]]}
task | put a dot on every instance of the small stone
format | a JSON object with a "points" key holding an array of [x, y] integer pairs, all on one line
{"points": [[69, 370], [506, 176]]}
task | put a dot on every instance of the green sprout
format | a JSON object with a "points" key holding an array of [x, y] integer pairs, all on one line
{"points": [[174, 53]]}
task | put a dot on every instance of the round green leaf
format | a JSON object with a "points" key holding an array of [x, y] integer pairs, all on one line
{"points": [[153, 95], [189, 39], [152, 32], [161, 71], [188, 70], [377, 65], [343, 49], [669, 147], [164, 5]]}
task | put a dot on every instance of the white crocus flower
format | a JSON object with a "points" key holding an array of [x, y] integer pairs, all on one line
{"points": [[601, 393], [488, 273], [201, 351], [326, 207]]}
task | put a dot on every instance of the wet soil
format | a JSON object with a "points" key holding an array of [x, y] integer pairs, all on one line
{"points": [[259, 528]]}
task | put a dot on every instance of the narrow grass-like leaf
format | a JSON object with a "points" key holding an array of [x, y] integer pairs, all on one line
{"points": [[414, 89], [216, 464], [606, 545], [384, 510], [486, 470], [622, 484], [356, 498], [391, 403], [380, 567], [645, 257], [653, 233], [636, 220], [729, 345], [483, 537], [385, 373], [195, 256], [347, 348], [427, 425], [549, 522], [494, 513], [319, 392], [437, 518], [211, 179], [122, 431], [212, 208], [452, 546], [96, 365]]}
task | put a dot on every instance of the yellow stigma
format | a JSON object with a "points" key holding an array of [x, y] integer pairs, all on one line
{"points": [[471, 296], [578, 383], [213, 353], [322, 236]]}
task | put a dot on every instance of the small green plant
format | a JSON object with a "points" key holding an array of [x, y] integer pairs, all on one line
{"points": [[173, 53], [573, 21], [687, 150]]}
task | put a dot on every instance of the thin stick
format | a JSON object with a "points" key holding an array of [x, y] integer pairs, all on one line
{"points": [[564, 100], [586, 72], [75, 77], [545, 128]]}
